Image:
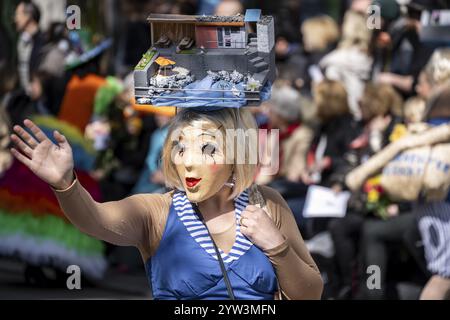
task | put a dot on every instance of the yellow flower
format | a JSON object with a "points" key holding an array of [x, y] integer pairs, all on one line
{"points": [[373, 196], [398, 132], [375, 181]]}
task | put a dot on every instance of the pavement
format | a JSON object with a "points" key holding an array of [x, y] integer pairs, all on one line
{"points": [[115, 285]]}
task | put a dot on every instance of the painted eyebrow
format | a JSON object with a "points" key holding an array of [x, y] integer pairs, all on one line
{"points": [[206, 134], [210, 134], [203, 133]]}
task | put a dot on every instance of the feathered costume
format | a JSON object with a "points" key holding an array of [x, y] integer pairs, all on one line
{"points": [[32, 225]]}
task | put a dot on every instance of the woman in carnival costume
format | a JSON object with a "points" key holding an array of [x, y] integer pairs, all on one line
{"points": [[212, 209], [216, 234]]}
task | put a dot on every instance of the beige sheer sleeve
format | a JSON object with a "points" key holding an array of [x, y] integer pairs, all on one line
{"points": [[297, 273], [137, 221]]}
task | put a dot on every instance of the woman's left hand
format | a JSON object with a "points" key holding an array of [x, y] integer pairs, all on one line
{"points": [[260, 228]]}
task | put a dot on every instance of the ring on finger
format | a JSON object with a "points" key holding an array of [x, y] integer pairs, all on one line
{"points": [[241, 222]]}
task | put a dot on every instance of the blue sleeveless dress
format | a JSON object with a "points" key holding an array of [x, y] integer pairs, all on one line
{"points": [[185, 265]]}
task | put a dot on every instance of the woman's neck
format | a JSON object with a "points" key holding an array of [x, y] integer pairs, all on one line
{"points": [[217, 204]]}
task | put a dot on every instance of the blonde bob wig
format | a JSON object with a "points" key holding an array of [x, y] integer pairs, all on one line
{"points": [[228, 120]]}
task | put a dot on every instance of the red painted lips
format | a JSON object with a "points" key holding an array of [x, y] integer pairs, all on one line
{"points": [[192, 182]]}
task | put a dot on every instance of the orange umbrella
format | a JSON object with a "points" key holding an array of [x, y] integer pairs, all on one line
{"points": [[166, 111], [163, 62]]}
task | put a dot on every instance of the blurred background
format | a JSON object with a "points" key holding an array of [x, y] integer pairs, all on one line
{"points": [[352, 76]]}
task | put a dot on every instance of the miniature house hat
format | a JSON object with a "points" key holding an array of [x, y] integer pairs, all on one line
{"points": [[207, 62]]}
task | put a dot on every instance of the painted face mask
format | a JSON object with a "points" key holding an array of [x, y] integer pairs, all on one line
{"points": [[200, 160]]}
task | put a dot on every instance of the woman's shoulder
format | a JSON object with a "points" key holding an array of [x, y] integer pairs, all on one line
{"points": [[157, 208], [269, 194], [274, 202]]}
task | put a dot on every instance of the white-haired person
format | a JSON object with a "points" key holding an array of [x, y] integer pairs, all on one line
{"points": [[434, 217], [206, 239]]}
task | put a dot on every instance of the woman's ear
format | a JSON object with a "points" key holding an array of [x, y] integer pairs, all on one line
{"points": [[232, 180]]}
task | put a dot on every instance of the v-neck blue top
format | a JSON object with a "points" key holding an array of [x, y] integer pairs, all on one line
{"points": [[185, 265]]}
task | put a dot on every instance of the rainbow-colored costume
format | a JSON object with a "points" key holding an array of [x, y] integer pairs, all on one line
{"points": [[32, 226]]}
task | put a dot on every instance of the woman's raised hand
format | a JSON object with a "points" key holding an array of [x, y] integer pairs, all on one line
{"points": [[50, 162]]}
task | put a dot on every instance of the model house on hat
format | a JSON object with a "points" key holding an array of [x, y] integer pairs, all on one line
{"points": [[211, 61]]}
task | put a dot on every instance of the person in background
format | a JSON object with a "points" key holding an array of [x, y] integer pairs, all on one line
{"points": [[380, 106], [435, 74], [326, 158], [86, 78], [381, 240], [5, 51], [121, 136], [284, 113], [7, 83], [31, 42], [8, 80], [434, 217], [48, 82], [328, 154], [53, 67], [381, 109], [351, 62], [414, 110], [437, 253], [401, 53], [229, 8], [5, 156], [20, 102], [151, 178], [320, 35]]}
